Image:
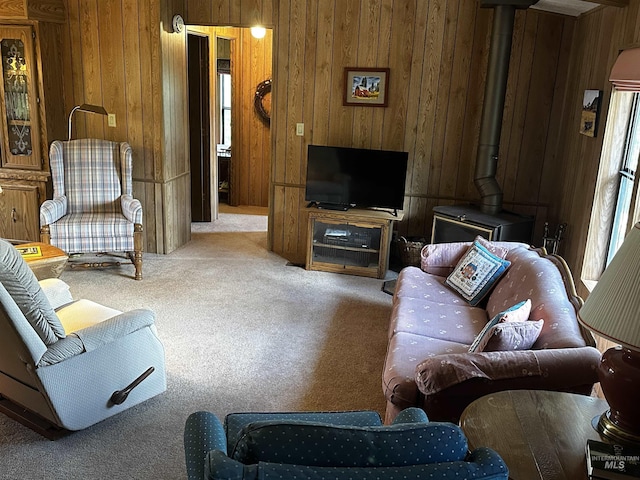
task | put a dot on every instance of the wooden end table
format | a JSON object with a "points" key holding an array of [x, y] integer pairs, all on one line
{"points": [[539, 434], [49, 264]]}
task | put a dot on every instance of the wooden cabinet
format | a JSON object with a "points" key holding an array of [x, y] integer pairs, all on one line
{"points": [[18, 99], [28, 50], [17, 204], [356, 242]]}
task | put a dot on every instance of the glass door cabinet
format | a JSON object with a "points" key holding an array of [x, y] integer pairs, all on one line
{"points": [[20, 145]]}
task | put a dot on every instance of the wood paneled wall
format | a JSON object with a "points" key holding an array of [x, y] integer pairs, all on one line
{"points": [[251, 137], [599, 36], [123, 55], [175, 165], [437, 52], [233, 13]]}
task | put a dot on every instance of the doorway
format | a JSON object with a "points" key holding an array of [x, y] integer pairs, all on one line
{"points": [[238, 171], [199, 126], [223, 116]]}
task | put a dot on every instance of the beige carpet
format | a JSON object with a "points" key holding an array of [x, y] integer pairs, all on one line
{"points": [[242, 331], [235, 219]]}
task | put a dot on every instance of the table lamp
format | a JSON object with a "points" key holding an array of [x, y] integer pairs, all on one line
{"points": [[85, 107], [612, 311]]}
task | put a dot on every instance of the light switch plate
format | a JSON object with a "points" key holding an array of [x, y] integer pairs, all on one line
{"points": [[300, 129], [111, 119]]}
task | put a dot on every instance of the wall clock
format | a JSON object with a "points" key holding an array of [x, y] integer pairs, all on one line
{"points": [[178, 23]]}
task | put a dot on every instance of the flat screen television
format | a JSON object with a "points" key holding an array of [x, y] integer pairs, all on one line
{"points": [[343, 177]]}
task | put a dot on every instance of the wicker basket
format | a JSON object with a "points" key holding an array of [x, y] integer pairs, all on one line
{"points": [[409, 250]]}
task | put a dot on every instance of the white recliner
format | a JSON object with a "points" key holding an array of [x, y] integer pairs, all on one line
{"points": [[71, 363]]}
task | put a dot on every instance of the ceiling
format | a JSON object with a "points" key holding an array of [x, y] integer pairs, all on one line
{"points": [[565, 7]]}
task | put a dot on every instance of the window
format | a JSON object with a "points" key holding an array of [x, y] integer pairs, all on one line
{"points": [[225, 108], [630, 154], [615, 207]]}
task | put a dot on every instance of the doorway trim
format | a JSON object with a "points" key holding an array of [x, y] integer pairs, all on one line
{"points": [[204, 200]]}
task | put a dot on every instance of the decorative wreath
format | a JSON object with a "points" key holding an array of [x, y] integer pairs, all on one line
{"points": [[261, 90]]}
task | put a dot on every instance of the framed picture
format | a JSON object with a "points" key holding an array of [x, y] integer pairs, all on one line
{"points": [[366, 86], [589, 115]]}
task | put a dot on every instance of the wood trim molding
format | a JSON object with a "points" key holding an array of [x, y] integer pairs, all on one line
{"points": [[611, 3], [42, 10]]}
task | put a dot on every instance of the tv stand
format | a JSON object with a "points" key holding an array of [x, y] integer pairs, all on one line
{"points": [[355, 242]]}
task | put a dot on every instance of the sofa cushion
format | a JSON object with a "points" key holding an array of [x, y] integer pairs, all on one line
{"points": [[517, 313], [482, 463], [235, 422], [404, 353], [476, 273], [414, 283], [297, 443], [441, 258], [455, 323], [512, 336]]}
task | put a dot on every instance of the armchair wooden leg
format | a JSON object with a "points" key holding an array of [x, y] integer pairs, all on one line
{"points": [[137, 250], [45, 234]]}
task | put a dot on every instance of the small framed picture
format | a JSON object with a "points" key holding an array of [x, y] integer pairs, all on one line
{"points": [[366, 86], [589, 115]]}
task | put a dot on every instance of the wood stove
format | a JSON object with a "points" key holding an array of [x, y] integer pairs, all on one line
{"points": [[463, 222]]}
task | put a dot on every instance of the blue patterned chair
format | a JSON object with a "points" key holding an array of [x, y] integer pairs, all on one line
{"points": [[332, 445], [67, 364], [93, 210]]}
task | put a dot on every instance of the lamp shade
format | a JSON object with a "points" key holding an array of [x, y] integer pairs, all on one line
{"points": [[86, 107], [625, 74], [612, 310]]}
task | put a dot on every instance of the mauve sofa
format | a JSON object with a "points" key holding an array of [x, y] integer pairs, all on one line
{"points": [[428, 364]]}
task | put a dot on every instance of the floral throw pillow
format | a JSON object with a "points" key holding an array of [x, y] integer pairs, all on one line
{"points": [[476, 273], [518, 313], [441, 258]]}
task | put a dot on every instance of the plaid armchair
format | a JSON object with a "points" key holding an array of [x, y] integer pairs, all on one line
{"points": [[93, 210]]}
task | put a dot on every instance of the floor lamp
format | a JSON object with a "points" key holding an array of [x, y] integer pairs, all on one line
{"points": [[85, 107]]}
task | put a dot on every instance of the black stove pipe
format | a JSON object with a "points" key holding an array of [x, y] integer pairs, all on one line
{"points": [[493, 105]]}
